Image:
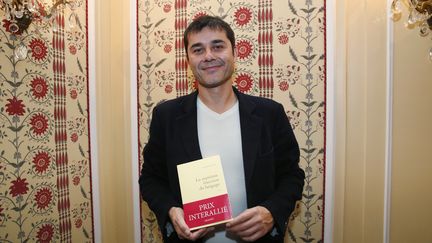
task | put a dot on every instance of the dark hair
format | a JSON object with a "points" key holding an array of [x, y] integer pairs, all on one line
{"points": [[212, 22]]}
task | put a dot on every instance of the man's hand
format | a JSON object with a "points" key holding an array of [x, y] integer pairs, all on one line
{"points": [[251, 224], [177, 218]]}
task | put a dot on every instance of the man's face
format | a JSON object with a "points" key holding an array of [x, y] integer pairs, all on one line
{"points": [[211, 57]]}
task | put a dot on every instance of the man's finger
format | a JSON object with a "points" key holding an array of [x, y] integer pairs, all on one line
{"points": [[253, 237], [177, 218], [241, 218]]}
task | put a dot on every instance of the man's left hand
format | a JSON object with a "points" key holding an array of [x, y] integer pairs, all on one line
{"points": [[251, 224]]}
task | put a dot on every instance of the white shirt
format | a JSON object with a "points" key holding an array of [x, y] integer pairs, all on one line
{"points": [[220, 134]]}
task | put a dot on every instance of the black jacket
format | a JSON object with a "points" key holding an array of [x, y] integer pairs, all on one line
{"points": [[270, 153]]}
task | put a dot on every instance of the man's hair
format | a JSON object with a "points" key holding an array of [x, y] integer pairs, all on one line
{"points": [[212, 22]]}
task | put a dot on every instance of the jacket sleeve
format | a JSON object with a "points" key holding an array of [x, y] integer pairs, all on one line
{"points": [[154, 181], [289, 177]]}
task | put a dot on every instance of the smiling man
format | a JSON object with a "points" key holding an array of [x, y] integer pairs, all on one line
{"points": [[252, 135]]}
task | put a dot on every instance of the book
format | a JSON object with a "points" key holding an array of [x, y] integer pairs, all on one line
{"points": [[204, 193]]}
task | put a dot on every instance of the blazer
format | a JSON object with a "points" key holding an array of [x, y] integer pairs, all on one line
{"points": [[273, 177]]}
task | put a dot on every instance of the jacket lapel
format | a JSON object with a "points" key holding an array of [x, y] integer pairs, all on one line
{"points": [[250, 126], [187, 127]]}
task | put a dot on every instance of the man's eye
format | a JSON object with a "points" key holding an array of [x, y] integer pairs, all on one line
{"points": [[197, 50]]}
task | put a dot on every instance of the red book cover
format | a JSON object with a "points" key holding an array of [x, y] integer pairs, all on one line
{"points": [[204, 193]]}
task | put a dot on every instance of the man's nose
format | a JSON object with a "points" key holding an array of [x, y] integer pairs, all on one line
{"points": [[208, 55]]}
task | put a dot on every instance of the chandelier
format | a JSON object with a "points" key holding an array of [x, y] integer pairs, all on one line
{"points": [[420, 16], [21, 13]]}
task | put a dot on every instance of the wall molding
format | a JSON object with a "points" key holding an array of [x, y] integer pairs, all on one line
{"points": [[330, 120], [134, 121], [91, 35], [389, 123]]}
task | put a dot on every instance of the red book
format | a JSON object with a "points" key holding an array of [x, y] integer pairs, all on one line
{"points": [[204, 193]]}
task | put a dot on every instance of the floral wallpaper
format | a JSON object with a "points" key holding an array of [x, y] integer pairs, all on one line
{"points": [[45, 180], [281, 55]]}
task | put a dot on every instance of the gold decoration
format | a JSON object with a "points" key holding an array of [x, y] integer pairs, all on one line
{"points": [[420, 16], [21, 13]]}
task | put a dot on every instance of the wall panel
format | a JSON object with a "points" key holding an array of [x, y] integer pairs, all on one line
{"points": [[45, 163], [281, 56], [412, 163]]}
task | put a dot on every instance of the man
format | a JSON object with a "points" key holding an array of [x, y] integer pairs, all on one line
{"points": [[252, 135]]}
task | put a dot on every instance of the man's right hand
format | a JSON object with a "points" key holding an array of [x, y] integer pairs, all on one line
{"points": [[177, 218]]}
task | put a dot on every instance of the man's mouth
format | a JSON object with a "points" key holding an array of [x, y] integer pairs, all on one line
{"points": [[210, 68]]}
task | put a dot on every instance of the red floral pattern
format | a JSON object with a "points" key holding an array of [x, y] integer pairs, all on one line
{"points": [[38, 49], [72, 49], [76, 180], [168, 88], [39, 124], [34, 100], [283, 38], [283, 85], [45, 233], [15, 107], [39, 88], [242, 16], [167, 48], [78, 223], [41, 10], [11, 28], [73, 93], [43, 198], [244, 49], [41, 161], [199, 14], [18, 187], [74, 137], [244, 82], [167, 8]]}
